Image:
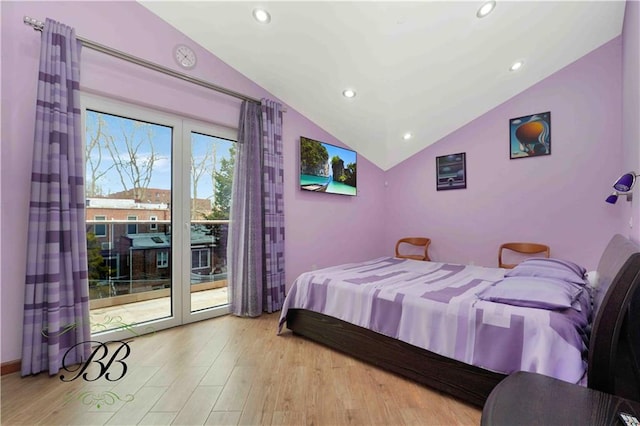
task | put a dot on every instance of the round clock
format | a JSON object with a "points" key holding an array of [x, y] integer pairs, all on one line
{"points": [[185, 56]]}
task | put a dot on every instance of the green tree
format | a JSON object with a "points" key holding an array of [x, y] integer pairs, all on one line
{"points": [[97, 266], [222, 187], [337, 166], [313, 156], [350, 174]]}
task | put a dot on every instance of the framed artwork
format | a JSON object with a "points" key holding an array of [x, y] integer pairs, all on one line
{"points": [[530, 136], [451, 171]]}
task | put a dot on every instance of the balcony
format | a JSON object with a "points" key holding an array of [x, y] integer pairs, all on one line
{"points": [[151, 309], [130, 268]]}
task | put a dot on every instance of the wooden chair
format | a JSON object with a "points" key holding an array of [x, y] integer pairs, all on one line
{"points": [[414, 241], [523, 248]]}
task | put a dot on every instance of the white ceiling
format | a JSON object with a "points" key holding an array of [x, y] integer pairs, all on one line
{"points": [[422, 67]]}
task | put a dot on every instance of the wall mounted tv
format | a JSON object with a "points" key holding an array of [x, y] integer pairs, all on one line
{"points": [[327, 168]]}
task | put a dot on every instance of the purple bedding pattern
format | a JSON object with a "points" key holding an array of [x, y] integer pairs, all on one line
{"points": [[435, 306]]}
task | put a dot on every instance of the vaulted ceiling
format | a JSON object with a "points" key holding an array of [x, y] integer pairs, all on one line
{"points": [[426, 68]]}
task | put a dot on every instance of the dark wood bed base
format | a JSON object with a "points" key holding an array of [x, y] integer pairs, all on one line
{"points": [[465, 381], [613, 350]]}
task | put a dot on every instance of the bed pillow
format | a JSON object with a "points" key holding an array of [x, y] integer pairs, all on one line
{"points": [[545, 272], [552, 262], [559, 269], [533, 292]]}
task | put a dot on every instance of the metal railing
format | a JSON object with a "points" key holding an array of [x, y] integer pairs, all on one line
{"points": [[134, 256]]}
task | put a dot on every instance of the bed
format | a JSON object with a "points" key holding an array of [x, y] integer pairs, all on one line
{"points": [[597, 348]]}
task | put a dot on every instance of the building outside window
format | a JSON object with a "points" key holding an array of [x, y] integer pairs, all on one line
{"points": [[200, 258], [100, 229], [162, 259], [133, 228]]}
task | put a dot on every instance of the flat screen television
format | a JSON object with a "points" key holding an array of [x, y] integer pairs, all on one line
{"points": [[327, 168]]}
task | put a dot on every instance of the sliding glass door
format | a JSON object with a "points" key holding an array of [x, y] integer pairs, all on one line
{"points": [[157, 202], [211, 161], [211, 169]]}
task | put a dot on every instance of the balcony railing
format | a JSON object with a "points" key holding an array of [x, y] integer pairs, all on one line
{"points": [[131, 259]]}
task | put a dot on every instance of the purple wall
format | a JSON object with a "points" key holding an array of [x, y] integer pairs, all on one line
{"points": [[320, 229], [631, 108], [557, 199]]}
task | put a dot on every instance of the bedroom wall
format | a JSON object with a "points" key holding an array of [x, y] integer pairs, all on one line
{"points": [[556, 199], [631, 108], [321, 229]]}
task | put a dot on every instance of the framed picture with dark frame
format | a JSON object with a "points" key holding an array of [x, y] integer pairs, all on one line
{"points": [[530, 136], [451, 171]]}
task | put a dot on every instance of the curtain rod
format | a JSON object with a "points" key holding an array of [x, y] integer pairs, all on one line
{"points": [[39, 26]]}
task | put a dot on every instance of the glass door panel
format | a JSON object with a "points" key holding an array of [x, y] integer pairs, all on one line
{"points": [[212, 160], [128, 219]]}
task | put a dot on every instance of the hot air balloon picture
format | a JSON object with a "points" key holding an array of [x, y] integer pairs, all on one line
{"points": [[530, 136]]}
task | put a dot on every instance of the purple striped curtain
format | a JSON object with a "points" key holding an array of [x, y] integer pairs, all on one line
{"points": [[244, 247], [56, 306], [273, 172], [255, 250]]}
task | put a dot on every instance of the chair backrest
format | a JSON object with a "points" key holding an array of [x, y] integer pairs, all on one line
{"points": [[523, 248], [421, 242]]}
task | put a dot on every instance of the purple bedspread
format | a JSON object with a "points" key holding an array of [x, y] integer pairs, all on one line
{"points": [[434, 306]]}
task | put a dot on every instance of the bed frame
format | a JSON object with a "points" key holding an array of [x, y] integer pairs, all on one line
{"points": [[614, 346]]}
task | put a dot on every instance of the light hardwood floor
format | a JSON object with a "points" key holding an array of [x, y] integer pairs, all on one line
{"points": [[231, 371]]}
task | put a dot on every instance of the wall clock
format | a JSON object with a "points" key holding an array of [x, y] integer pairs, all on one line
{"points": [[185, 56]]}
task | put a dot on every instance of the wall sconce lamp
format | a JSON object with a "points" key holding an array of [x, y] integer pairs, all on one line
{"points": [[611, 199], [623, 186]]}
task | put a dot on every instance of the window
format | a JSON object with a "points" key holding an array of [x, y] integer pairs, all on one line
{"points": [[153, 226], [132, 229], [100, 229], [162, 259], [200, 258]]}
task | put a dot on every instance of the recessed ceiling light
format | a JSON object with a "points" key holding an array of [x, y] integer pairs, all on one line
{"points": [[262, 16], [486, 9], [407, 136], [348, 93], [516, 66]]}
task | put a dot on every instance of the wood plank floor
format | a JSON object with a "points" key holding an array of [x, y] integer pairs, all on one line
{"points": [[230, 371]]}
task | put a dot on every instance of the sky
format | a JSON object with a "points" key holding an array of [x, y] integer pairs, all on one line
{"points": [[143, 137], [346, 155]]}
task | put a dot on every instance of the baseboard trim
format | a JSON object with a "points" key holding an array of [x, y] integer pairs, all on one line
{"points": [[10, 367]]}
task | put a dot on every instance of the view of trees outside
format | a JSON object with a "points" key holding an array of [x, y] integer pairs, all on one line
{"points": [[126, 155], [222, 179], [213, 174], [132, 160], [212, 161]]}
